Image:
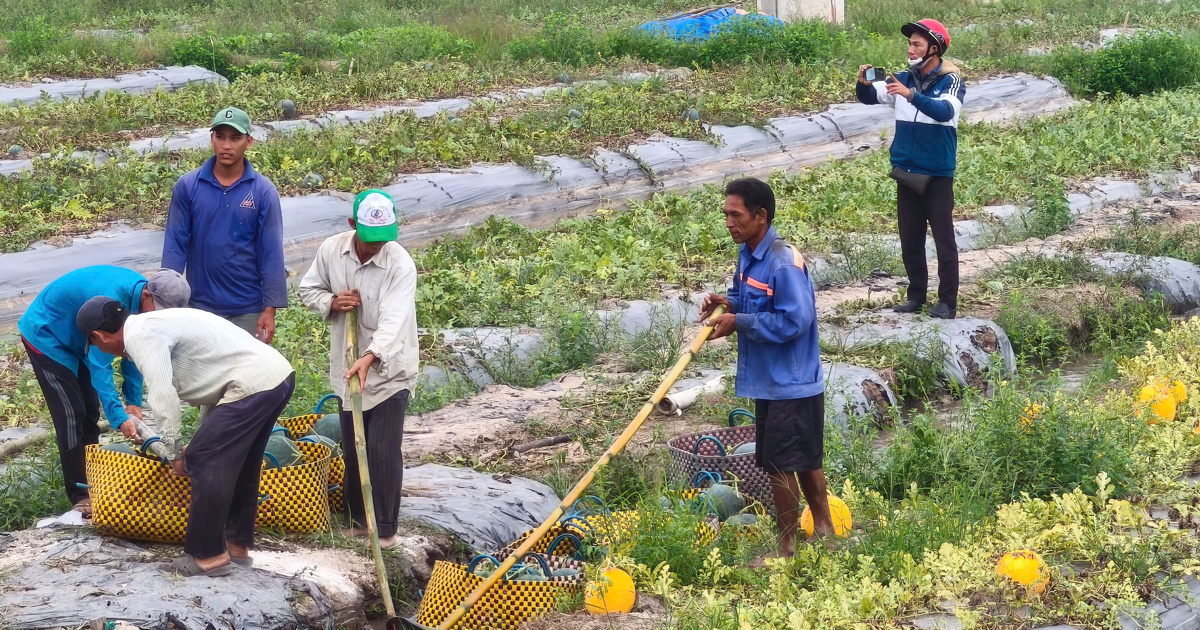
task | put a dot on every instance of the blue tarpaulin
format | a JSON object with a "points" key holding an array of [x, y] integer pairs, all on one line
{"points": [[691, 26]]}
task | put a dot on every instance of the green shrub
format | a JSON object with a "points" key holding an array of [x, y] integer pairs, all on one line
{"points": [[33, 37], [206, 51], [1050, 212], [567, 40], [1037, 332], [1141, 64], [561, 39], [380, 47]]}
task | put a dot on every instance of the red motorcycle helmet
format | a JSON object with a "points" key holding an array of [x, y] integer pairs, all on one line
{"points": [[932, 30]]}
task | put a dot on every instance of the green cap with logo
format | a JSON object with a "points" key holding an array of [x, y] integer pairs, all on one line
{"points": [[232, 117], [375, 216]]}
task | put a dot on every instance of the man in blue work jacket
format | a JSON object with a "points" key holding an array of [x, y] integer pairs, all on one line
{"points": [[772, 307], [225, 228], [76, 380]]}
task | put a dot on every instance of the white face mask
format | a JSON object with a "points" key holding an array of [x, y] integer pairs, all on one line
{"points": [[915, 64]]}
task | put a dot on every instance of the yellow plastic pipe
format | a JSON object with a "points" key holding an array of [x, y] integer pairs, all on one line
{"points": [[617, 446]]}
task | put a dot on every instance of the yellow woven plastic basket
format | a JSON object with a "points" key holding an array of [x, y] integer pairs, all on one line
{"points": [[506, 606], [139, 498], [301, 426]]}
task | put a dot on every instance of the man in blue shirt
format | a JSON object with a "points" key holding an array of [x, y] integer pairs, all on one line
{"points": [[772, 307], [225, 228], [76, 380]]}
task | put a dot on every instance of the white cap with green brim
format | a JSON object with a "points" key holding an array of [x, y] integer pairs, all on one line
{"points": [[375, 216]]}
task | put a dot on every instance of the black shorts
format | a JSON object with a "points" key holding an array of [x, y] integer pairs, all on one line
{"points": [[790, 434]]}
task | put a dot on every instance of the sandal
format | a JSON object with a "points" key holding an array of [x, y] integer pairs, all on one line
{"points": [[185, 566]]}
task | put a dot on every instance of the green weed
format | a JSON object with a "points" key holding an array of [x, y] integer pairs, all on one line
{"points": [[1141, 64]]}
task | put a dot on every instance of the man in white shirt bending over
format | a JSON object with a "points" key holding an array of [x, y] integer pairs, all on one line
{"points": [[202, 359], [365, 268]]}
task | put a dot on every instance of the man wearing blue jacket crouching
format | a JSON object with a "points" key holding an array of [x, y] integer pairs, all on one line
{"points": [[928, 97], [772, 307], [76, 380]]}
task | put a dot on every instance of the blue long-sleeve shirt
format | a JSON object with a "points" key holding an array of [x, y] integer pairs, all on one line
{"points": [[926, 138], [49, 326], [779, 356], [227, 241]]}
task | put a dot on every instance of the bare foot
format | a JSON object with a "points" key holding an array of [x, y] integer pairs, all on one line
{"points": [[389, 542], [237, 551], [826, 538], [354, 532], [762, 562], [84, 507], [208, 564]]}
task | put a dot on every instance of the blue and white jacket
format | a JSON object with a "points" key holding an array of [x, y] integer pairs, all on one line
{"points": [[926, 138]]}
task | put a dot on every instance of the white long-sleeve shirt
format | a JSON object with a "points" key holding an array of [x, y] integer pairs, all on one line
{"points": [[199, 358], [387, 320]]}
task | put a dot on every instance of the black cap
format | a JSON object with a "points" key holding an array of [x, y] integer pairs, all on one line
{"points": [[95, 313]]}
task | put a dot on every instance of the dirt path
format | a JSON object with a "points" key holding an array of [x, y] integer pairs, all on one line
{"points": [[1177, 208]]}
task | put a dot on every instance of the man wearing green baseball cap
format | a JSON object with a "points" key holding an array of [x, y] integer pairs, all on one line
{"points": [[365, 268], [225, 231]]}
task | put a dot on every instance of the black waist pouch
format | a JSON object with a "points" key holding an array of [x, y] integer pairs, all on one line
{"points": [[914, 181]]}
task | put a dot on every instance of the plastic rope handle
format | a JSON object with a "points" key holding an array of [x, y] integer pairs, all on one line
{"points": [[706, 475], [710, 438], [742, 413], [324, 399], [584, 525], [281, 429], [274, 459], [146, 446], [480, 558], [576, 510], [541, 561], [569, 537]]}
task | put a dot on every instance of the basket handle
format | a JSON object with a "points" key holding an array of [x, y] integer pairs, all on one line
{"points": [[584, 525], [148, 443], [286, 432], [710, 438], [740, 412], [480, 558], [263, 498], [334, 488], [541, 560], [565, 536], [576, 510], [706, 475], [273, 459], [324, 399]]}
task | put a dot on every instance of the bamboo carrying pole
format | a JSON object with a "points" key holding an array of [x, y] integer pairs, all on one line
{"points": [[364, 472], [586, 480]]}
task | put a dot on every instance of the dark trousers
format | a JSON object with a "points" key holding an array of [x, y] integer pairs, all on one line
{"points": [[74, 409], [935, 208], [384, 427], [224, 460]]}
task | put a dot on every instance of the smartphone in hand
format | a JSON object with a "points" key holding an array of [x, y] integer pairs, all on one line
{"points": [[876, 74]]}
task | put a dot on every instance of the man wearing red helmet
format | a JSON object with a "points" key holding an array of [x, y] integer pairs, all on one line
{"points": [[928, 97]]}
